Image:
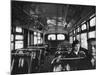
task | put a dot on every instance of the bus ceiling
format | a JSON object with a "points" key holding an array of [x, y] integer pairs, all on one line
{"points": [[45, 17]]}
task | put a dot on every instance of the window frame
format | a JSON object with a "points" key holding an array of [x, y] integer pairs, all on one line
{"points": [[87, 30]]}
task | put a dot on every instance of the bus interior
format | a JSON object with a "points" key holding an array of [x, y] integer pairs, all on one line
{"points": [[41, 33]]}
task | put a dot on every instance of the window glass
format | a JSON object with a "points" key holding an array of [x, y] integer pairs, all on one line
{"points": [[19, 37], [84, 40], [71, 39], [93, 22], [52, 37], [35, 40], [18, 29], [18, 44], [92, 34], [83, 26], [60, 37], [78, 37], [39, 40]]}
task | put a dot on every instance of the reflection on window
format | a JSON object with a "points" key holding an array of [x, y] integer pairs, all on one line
{"points": [[71, 39], [60, 37], [51, 37], [35, 40], [92, 34], [84, 40], [93, 22], [83, 26], [19, 37], [78, 37], [18, 44], [18, 29]]}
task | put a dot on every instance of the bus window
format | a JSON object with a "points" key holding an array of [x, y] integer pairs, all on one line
{"points": [[39, 40], [93, 22], [52, 37], [18, 29], [78, 37], [35, 40], [19, 37], [83, 26], [60, 37], [84, 40], [71, 39], [92, 34], [18, 44]]}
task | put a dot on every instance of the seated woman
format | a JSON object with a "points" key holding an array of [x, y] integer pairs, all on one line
{"points": [[82, 63], [77, 50]]}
